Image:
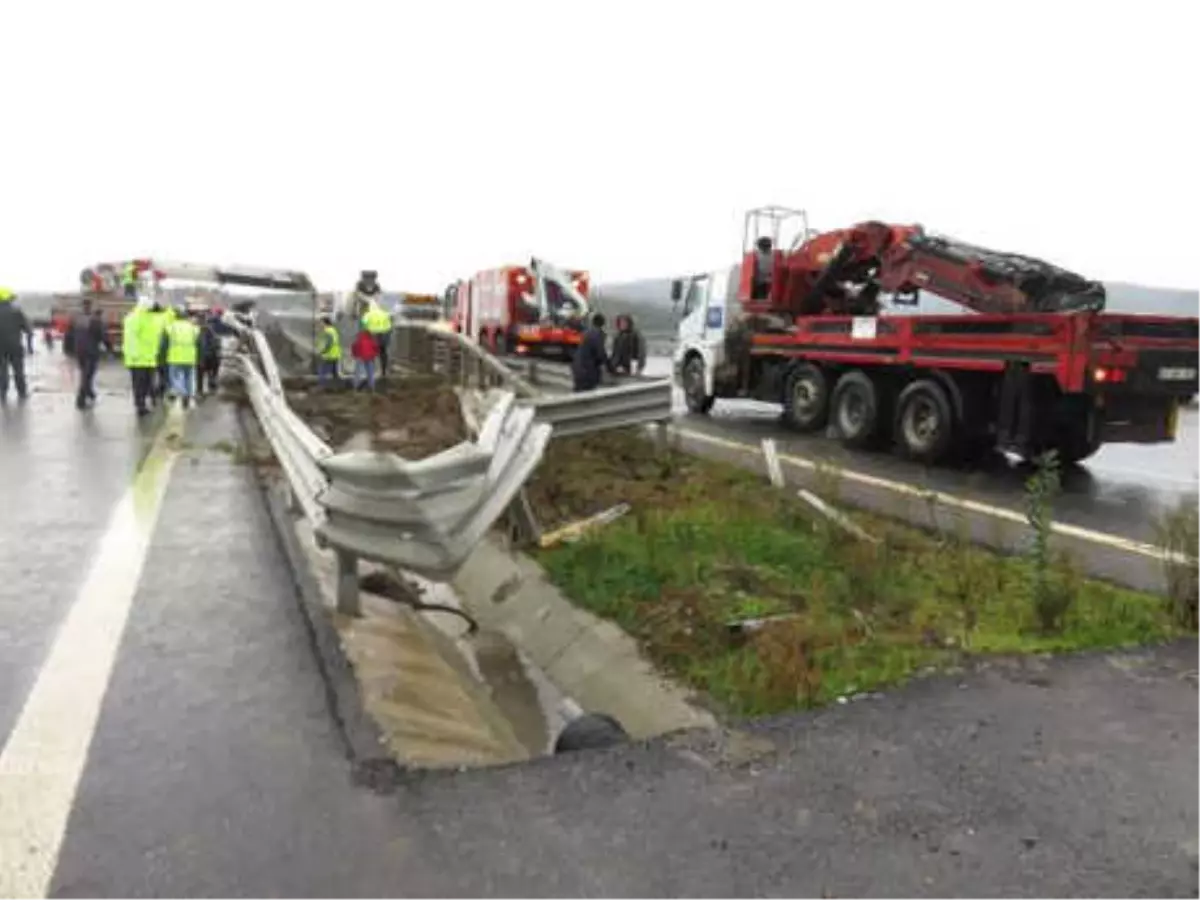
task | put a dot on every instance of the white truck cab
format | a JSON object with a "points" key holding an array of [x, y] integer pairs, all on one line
{"points": [[705, 304]]}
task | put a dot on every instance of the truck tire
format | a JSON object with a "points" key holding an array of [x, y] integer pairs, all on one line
{"points": [[806, 399], [698, 401], [855, 409], [925, 423]]}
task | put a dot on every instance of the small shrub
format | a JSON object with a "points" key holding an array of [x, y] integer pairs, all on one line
{"points": [[1050, 599], [1178, 537], [1058, 591]]}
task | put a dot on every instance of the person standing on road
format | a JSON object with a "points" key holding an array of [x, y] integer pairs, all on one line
{"points": [[84, 340], [181, 343], [365, 349], [629, 348], [210, 358], [161, 317], [378, 324], [13, 325], [330, 352], [140, 339], [590, 357]]}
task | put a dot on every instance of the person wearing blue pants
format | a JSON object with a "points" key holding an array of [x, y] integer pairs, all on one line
{"points": [[182, 339]]}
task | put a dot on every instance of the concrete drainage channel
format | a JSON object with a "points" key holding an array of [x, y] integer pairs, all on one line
{"points": [[495, 668]]}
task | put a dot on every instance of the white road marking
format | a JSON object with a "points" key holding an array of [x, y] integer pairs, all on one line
{"points": [[43, 760], [1102, 538]]}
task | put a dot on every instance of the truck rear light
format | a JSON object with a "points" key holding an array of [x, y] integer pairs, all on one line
{"points": [[1104, 375]]}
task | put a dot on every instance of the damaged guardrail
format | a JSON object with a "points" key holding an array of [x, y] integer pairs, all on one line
{"points": [[425, 349], [424, 515]]}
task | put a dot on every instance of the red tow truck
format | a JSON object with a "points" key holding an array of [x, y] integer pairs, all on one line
{"points": [[535, 310], [1032, 364]]}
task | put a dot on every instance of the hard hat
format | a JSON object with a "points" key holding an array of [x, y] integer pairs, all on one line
{"points": [[6, 295]]}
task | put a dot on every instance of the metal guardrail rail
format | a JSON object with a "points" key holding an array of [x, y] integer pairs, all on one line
{"points": [[544, 386], [423, 515]]}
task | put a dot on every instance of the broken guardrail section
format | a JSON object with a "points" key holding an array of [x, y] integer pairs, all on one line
{"points": [[424, 515]]}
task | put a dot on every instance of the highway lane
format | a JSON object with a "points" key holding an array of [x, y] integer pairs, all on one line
{"points": [[61, 473], [1122, 490]]}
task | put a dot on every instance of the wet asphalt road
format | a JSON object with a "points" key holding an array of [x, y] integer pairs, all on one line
{"points": [[1124, 489], [216, 770]]}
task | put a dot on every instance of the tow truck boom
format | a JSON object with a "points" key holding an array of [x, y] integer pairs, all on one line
{"points": [[845, 271]]}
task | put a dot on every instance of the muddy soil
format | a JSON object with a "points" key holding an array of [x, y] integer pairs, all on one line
{"points": [[412, 417], [585, 475]]}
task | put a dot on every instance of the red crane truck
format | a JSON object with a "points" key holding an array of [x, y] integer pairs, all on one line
{"points": [[1032, 364], [535, 310]]}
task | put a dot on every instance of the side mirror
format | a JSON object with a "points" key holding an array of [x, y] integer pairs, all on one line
{"points": [[676, 290]]}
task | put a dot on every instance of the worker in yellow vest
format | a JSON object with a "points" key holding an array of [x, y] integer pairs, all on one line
{"points": [[330, 352], [160, 317], [139, 346], [378, 323], [182, 344], [129, 280]]}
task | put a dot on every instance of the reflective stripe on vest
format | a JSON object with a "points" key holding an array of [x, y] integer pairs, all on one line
{"points": [[333, 352], [181, 343]]}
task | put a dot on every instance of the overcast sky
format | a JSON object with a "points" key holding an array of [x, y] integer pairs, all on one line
{"points": [[432, 139]]}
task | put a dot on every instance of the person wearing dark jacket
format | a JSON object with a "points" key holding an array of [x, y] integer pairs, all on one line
{"points": [[629, 348], [84, 340], [209, 362], [590, 357], [13, 325]]}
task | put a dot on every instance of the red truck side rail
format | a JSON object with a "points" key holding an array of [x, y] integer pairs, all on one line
{"points": [[1070, 347]]}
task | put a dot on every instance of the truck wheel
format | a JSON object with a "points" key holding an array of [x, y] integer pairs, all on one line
{"points": [[1077, 437], [855, 409], [806, 399], [924, 421], [693, 387]]}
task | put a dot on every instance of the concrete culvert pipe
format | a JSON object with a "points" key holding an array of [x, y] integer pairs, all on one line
{"points": [[591, 731]]}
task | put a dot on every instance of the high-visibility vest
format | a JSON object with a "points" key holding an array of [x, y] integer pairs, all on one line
{"points": [[129, 274], [333, 352], [139, 340], [377, 321], [181, 343]]}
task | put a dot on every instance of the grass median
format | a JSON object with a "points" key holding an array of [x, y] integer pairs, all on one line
{"points": [[749, 595]]}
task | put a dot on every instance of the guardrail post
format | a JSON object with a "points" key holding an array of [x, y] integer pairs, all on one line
{"points": [[662, 436], [525, 528], [348, 598]]}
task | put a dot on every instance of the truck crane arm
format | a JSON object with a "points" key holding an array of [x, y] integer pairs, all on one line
{"points": [[544, 272], [843, 272]]}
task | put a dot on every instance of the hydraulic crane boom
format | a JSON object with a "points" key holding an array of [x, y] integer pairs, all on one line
{"points": [[844, 271]]}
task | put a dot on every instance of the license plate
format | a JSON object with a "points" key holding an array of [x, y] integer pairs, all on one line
{"points": [[1176, 374]]}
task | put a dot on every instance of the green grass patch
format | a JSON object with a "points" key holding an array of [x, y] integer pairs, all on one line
{"points": [[709, 544]]}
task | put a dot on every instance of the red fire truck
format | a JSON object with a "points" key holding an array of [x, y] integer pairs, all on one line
{"points": [[535, 310], [1032, 363]]}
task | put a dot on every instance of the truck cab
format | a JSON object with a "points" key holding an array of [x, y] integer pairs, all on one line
{"points": [[535, 310], [709, 359]]}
